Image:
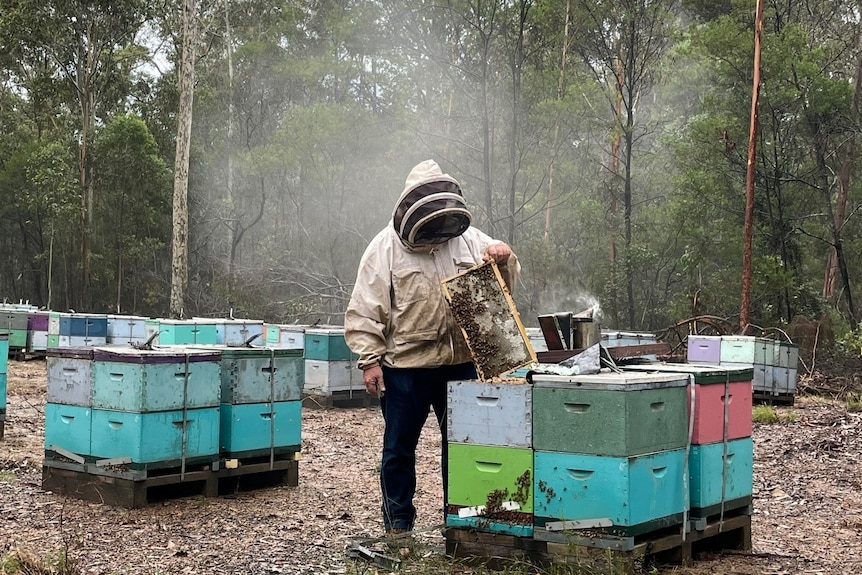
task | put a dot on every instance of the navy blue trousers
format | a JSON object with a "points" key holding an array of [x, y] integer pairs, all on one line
{"points": [[410, 395]]}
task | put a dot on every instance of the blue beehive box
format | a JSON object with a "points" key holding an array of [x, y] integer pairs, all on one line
{"points": [[70, 375], [288, 336], [68, 427], [79, 325], [127, 379], [3, 377], [713, 482], [255, 375], [187, 332], [327, 344], [157, 436], [637, 494], [260, 426]]}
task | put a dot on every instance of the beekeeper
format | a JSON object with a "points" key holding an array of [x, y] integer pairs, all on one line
{"points": [[399, 323]]}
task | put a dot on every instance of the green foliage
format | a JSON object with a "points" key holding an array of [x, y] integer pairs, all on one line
{"points": [[768, 415]]}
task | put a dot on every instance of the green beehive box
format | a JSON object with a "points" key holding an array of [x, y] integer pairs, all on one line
{"points": [[256, 375], [612, 414], [478, 473], [17, 337]]}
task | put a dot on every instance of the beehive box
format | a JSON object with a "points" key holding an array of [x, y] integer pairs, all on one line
{"points": [[127, 379], [258, 426], [68, 427], [70, 376], [285, 336], [327, 344], [636, 494], [496, 478], [610, 414], [716, 387], [255, 375], [158, 436], [703, 349], [238, 332], [485, 312], [786, 355], [721, 472], [127, 330], [489, 413], [187, 332], [326, 377], [747, 349], [81, 325]]}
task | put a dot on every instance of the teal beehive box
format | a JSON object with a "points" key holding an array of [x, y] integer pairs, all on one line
{"points": [[721, 473], [128, 379], [490, 488], [628, 495], [747, 349], [68, 427], [187, 332], [614, 414], [159, 436], [255, 375], [3, 392], [327, 344], [258, 427]]}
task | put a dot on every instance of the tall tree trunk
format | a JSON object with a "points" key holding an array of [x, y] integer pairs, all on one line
{"points": [[230, 200], [748, 230], [186, 81], [561, 82], [845, 173]]}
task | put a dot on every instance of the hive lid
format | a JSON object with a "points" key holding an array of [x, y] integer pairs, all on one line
{"points": [[703, 374], [168, 354], [70, 352], [612, 381]]}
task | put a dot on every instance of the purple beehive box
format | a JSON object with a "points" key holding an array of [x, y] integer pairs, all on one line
{"points": [[703, 349]]}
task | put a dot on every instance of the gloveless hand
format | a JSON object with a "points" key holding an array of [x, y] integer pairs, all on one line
{"points": [[499, 252], [373, 380]]}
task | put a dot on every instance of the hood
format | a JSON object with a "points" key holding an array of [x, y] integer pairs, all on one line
{"points": [[431, 209]]}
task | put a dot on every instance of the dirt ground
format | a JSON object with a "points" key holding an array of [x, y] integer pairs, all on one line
{"points": [[807, 501]]}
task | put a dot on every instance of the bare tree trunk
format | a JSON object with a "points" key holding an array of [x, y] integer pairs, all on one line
{"points": [[844, 175], [748, 231], [230, 201], [186, 80], [560, 86]]}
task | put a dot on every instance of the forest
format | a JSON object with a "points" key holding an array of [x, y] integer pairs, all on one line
{"points": [[606, 141]]}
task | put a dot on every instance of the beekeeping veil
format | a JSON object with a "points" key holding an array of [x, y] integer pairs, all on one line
{"points": [[431, 209]]}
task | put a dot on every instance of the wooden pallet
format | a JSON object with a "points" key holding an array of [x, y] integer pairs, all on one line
{"points": [[620, 554], [90, 483], [774, 398], [340, 399], [133, 488], [251, 470]]}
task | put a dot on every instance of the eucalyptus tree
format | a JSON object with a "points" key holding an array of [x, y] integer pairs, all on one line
{"points": [[806, 116], [91, 45], [623, 43]]}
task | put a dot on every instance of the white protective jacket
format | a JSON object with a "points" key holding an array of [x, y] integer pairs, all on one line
{"points": [[398, 315]]}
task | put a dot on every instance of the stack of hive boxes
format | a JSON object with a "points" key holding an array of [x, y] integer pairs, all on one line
{"points": [[330, 367], [774, 362], [261, 401], [721, 462], [140, 407], [13, 323], [606, 450], [490, 457], [4, 360], [37, 332], [76, 330]]}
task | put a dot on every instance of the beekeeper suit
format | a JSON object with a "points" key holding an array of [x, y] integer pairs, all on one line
{"points": [[399, 323]]}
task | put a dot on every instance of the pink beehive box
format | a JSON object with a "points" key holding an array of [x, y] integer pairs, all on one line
{"points": [[713, 387]]}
